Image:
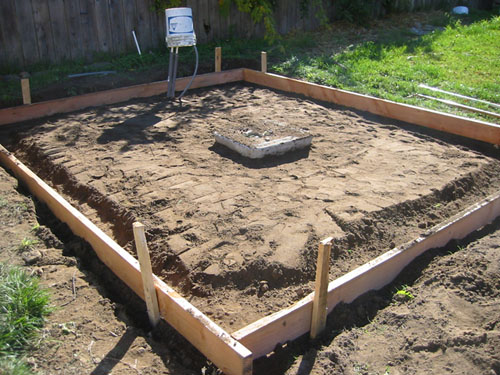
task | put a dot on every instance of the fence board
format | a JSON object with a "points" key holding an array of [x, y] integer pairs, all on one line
{"points": [[43, 30], [88, 27], [116, 25], [62, 48], [72, 12], [102, 26], [52, 30], [10, 32], [129, 22], [24, 15], [143, 24]]}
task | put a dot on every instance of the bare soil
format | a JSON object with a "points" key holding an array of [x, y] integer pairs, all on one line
{"points": [[239, 237]]}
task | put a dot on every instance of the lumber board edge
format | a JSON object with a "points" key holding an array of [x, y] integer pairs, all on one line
{"points": [[74, 103], [466, 127], [262, 336], [216, 344]]}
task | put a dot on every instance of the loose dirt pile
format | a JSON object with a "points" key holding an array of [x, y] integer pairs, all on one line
{"points": [[239, 237]]}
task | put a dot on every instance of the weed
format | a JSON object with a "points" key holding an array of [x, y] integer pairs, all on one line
{"points": [[403, 291], [26, 244], [67, 328], [35, 227], [10, 365], [23, 308]]}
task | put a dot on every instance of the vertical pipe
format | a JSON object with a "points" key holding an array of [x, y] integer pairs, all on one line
{"points": [[174, 73], [170, 70]]}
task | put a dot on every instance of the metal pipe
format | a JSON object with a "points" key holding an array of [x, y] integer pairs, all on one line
{"points": [[170, 71], [174, 73], [136, 42]]}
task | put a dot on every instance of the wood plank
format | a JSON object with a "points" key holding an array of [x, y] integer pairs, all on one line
{"points": [[157, 28], [262, 336], [129, 23], [3, 53], [72, 12], [60, 34], [475, 129], [318, 319], [43, 30], [25, 89], [263, 62], [117, 27], [11, 43], [216, 344], [146, 273], [105, 41], [88, 28], [74, 103], [143, 25], [218, 59], [26, 25]]}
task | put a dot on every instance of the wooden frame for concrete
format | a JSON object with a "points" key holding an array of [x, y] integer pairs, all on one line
{"points": [[262, 336], [75, 103], [216, 344], [475, 129], [234, 353]]}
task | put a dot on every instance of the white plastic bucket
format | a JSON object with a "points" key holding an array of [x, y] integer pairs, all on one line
{"points": [[180, 31]]}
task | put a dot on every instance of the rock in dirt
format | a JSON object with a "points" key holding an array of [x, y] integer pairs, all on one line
{"points": [[32, 257]]}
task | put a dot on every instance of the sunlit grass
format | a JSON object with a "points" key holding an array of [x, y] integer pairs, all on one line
{"points": [[23, 308], [461, 58]]}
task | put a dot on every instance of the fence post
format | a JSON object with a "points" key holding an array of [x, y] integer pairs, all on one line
{"points": [[318, 321], [218, 59], [146, 273]]}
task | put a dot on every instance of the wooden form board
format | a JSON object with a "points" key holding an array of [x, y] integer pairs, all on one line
{"points": [[216, 344], [51, 107], [262, 336], [475, 129]]}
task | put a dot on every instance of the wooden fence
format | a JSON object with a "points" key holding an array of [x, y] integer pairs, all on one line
{"points": [[33, 31]]}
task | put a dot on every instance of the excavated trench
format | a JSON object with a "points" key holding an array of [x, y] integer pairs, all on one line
{"points": [[239, 238]]}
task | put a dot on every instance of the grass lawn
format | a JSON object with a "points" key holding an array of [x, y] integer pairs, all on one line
{"points": [[23, 308], [457, 57]]}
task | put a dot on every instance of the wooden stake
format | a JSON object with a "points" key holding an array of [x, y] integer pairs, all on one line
{"points": [[146, 273], [319, 310], [263, 62], [25, 87], [218, 59]]}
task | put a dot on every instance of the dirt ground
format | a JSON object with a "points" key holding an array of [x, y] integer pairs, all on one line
{"points": [[239, 238]]}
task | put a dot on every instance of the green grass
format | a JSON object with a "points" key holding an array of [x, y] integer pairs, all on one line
{"points": [[403, 291], [461, 58], [23, 308], [26, 244]]}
